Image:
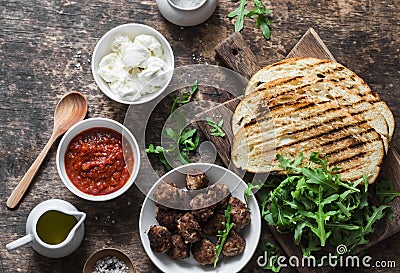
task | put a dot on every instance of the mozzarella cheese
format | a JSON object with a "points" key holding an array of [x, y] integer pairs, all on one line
{"points": [[154, 74], [135, 55], [111, 68], [134, 68], [151, 43]]}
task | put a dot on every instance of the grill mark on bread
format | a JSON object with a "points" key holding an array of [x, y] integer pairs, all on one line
{"points": [[308, 117], [330, 131], [260, 117], [331, 142], [336, 141], [349, 158], [327, 122]]}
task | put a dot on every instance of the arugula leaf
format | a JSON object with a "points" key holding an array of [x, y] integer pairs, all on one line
{"points": [[185, 97], [159, 150], [264, 24], [223, 234], [259, 9], [377, 213], [386, 191], [271, 250], [298, 232], [240, 12], [216, 129], [248, 192]]}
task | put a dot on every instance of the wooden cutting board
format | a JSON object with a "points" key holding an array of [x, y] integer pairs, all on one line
{"points": [[236, 54]]}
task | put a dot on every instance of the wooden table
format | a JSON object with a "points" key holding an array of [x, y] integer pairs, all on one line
{"points": [[46, 48]]}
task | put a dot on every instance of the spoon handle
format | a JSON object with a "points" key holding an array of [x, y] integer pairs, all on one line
{"points": [[23, 185]]}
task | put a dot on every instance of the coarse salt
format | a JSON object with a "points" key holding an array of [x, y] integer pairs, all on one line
{"points": [[110, 264], [187, 3]]}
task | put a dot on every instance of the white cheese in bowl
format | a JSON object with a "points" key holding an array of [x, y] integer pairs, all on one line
{"points": [[151, 43], [134, 67]]}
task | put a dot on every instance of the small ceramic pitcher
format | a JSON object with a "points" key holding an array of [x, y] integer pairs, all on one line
{"points": [[187, 12], [66, 246]]}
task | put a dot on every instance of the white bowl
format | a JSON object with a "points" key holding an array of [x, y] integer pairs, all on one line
{"points": [[132, 30], [83, 126], [185, 17], [237, 186]]}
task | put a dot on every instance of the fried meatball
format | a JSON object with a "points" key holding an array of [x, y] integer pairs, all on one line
{"points": [[222, 193], [160, 239], [215, 223], [189, 228], [168, 218], [234, 244], [204, 252], [203, 205], [167, 195], [196, 180], [184, 199], [179, 249], [240, 214]]}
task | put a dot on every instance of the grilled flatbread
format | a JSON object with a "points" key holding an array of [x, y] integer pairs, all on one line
{"points": [[364, 107], [328, 70], [299, 123]]}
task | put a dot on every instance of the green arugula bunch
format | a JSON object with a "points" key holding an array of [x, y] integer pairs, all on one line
{"points": [[216, 129], [182, 141], [259, 10], [319, 208], [223, 234]]}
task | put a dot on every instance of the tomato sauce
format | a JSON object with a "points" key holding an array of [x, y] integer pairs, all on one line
{"points": [[95, 163]]}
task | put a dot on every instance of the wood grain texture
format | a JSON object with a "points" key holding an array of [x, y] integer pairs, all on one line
{"points": [[236, 54], [311, 45], [45, 51]]}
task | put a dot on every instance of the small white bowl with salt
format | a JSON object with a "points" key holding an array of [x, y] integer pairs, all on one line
{"points": [[187, 12]]}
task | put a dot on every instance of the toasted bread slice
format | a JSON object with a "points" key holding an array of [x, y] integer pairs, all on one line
{"points": [[346, 95], [304, 124], [326, 69]]}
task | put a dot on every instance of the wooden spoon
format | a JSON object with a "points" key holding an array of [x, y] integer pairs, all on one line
{"points": [[70, 109]]}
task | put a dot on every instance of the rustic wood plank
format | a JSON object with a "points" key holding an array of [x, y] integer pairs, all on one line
{"points": [[310, 45], [237, 55]]}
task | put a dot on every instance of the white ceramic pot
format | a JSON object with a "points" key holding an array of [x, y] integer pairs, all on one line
{"points": [[187, 13]]}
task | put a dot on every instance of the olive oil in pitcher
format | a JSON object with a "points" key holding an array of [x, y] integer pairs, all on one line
{"points": [[54, 226]]}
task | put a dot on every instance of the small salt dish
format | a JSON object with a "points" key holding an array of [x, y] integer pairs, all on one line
{"points": [[111, 252], [187, 13]]}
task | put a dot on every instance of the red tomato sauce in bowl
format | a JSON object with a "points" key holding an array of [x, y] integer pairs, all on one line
{"points": [[95, 162]]}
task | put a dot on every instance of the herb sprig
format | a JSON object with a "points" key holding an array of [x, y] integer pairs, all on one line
{"points": [[216, 129], [259, 10], [319, 208], [160, 151], [185, 97], [386, 191], [223, 234], [183, 141], [271, 251]]}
